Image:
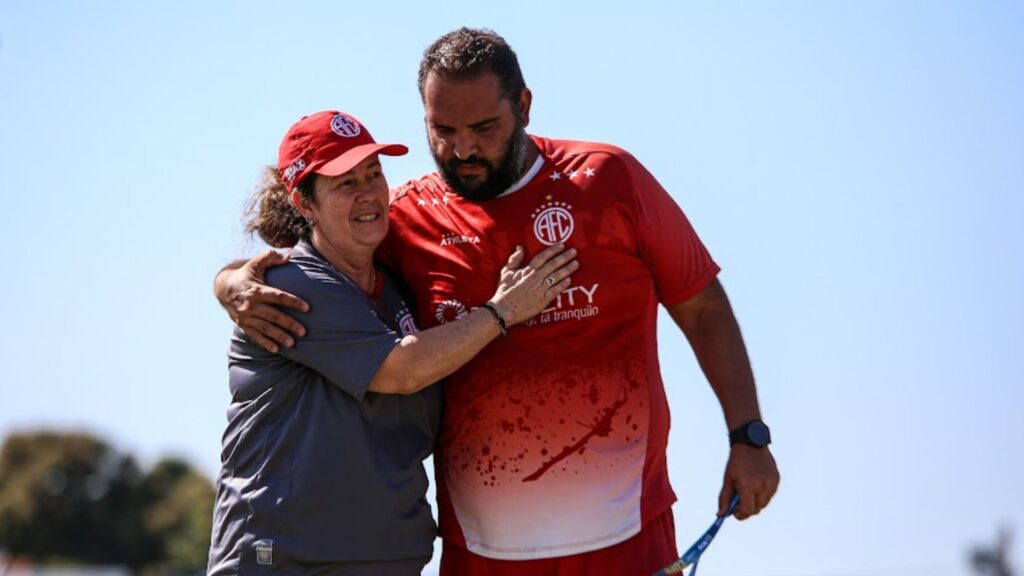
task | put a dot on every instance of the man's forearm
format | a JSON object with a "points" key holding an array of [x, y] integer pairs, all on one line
{"points": [[723, 357], [710, 326], [713, 333], [218, 280]]}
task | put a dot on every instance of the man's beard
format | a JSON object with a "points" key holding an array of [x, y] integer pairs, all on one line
{"points": [[497, 179]]}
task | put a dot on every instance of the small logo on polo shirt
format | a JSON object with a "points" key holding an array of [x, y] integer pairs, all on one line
{"points": [[344, 126], [553, 223], [264, 552], [406, 322], [450, 311]]}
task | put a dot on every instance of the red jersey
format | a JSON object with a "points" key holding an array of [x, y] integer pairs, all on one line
{"points": [[553, 439]]}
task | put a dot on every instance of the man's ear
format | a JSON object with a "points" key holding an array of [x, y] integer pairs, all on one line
{"points": [[525, 99]]}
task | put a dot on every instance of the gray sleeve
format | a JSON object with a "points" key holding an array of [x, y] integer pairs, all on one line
{"points": [[345, 341]]}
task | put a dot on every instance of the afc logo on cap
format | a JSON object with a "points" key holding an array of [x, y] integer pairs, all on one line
{"points": [[553, 223], [344, 126]]}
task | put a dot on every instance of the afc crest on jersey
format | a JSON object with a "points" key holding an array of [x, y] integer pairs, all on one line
{"points": [[553, 223]]}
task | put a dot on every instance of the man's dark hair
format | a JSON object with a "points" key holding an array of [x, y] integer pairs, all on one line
{"points": [[467, 52]]}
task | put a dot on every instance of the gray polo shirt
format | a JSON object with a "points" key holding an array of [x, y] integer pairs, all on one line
{"points": [[316, 469]]}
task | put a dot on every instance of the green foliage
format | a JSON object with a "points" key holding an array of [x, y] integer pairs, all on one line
{"points": [[180, 514], [70, 497]]}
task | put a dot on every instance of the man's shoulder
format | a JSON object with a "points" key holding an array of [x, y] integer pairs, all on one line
{"points": [[558, 149], [428, 184], [616, 164]]}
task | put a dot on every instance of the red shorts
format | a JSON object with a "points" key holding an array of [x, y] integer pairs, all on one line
{"points": [[642, 555]]}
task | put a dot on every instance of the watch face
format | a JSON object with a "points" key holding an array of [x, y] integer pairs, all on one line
{"points": [[758, 433]]}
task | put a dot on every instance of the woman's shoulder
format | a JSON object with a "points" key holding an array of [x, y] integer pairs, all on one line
{"points": [[306, 272]]}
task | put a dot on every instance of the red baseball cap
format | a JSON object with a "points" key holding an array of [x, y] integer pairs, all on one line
{"points": [[329, 143]]}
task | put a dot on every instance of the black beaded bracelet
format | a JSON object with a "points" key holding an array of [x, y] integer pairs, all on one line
{"points": [[502, 324]]}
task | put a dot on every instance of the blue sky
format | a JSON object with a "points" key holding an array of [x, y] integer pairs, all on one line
{"points": [[857, 168]]}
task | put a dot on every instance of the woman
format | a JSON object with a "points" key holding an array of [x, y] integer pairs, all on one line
{"points": [[323, 453]]}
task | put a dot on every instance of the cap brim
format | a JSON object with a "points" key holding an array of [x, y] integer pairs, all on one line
{"points": [[351, 158]]}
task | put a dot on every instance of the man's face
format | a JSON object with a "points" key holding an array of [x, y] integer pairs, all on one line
{"points": [[476, 134]]}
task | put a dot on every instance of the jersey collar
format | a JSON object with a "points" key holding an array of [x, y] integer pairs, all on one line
{"points": [[537, 164]]}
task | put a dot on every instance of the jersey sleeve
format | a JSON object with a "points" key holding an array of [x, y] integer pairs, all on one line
{"points": [[679, 263], [345, 341]]}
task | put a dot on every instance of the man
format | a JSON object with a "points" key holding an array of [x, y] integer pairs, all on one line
{"points": [[552, 450]]}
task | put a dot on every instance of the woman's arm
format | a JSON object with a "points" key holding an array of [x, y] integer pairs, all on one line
{"points": [[421, 359]]}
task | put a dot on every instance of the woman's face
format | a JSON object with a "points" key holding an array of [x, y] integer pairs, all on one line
{"points": [[351, 210]]}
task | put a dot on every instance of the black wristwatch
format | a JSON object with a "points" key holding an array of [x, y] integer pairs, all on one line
{"points": [[754, 433]]}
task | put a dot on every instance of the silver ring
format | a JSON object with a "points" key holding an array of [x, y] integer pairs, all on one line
{"points": [[550, 281]]}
